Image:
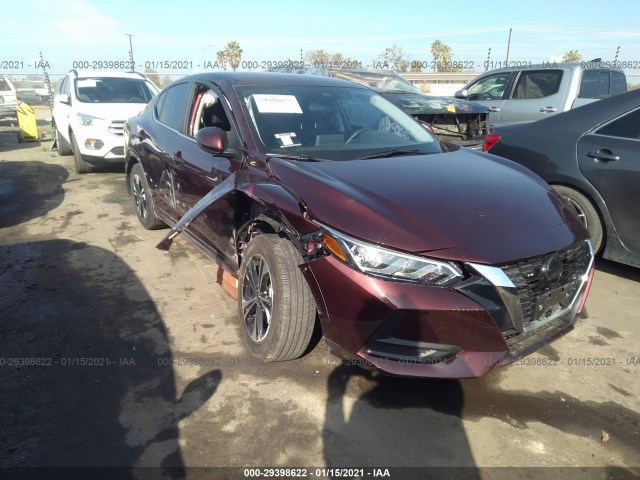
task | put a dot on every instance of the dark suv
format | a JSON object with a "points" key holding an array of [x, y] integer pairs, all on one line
{"points": [[328, 202]]}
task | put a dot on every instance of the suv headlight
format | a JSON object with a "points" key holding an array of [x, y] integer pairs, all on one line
{"points": [[88, 120], [386, 263]]}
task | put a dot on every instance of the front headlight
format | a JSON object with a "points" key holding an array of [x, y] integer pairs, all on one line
{"points": [[88, 120], [383, 262]]}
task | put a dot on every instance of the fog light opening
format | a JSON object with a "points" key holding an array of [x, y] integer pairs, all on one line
{"points": [[94, 144], [406, 351]]}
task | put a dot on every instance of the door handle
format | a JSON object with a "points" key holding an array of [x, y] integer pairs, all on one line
{"points": [[548, 109], [603, 155], [494, 109]]}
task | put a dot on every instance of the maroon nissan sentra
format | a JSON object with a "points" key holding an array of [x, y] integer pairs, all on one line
{"points": [[329, 204]]}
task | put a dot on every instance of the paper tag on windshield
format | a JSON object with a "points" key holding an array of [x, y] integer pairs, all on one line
{"points": [[87, 83], [288, 140], [277, 103]]}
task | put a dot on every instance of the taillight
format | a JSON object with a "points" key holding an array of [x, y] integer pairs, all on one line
{"points": [[490, 140]]}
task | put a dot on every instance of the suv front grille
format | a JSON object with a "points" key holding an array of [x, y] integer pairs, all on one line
{"points": [[117, 127], [531, 283]]}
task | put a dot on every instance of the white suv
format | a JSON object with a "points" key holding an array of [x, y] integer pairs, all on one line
{"points": [[8, 99], [89, 111]]}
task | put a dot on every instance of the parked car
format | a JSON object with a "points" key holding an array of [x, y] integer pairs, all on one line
{"points": [[324, 199], [89, 111], [532, 92], [452, 120], [29, 97], [591, 156], [9, 101]]}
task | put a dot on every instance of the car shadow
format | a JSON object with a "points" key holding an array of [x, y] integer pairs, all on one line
{"points": [[405, 422], [29, 189], [396, 422], [618, 269], [86, 370]]}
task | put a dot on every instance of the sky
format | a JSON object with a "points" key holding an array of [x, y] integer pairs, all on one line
{"points": [[68, 32]]}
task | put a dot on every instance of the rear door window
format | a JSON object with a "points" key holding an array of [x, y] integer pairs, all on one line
{"points": [[534, 84], [626, 126]]}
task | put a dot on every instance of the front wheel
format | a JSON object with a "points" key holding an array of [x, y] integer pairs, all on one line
{"points": [[63, 147], [586, 213], [275, 305], [82, 166]]}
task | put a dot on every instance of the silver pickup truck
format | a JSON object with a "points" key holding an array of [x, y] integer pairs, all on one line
{"points": [[532, 92]]}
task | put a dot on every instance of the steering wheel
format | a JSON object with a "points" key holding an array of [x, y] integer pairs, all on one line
{"points": [[355, 134]]}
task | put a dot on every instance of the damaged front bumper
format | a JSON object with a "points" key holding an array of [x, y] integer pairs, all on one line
{"points": [[466, 331]]}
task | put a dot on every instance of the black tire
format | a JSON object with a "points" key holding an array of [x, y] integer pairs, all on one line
{"points": [[143, 200], [586, 212], [64, 148], [285, 332], [81, 165]]}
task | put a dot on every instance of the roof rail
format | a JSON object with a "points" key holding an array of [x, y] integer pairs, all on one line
{"points": [[74, 71]]}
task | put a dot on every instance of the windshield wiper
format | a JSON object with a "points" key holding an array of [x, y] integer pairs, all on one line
{"points": [[304, 158], [397, 151]]}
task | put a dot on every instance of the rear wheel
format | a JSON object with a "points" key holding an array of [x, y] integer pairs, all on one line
{"points": [[63, 146], [586, 213], [81, 165], [141, 194], [275, 305]]}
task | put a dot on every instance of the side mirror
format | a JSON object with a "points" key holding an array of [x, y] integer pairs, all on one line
{"points": [[62, 98], [212, 139], [461, 93]]}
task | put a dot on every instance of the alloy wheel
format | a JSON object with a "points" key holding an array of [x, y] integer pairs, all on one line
{"points": [[581, 214], [140, 196], [257, 298]]}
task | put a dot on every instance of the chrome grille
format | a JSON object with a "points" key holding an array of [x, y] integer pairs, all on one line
{"points": [[117, 127], [529, 281]]}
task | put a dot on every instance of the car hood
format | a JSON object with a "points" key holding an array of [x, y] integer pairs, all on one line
{"points": [[416, 104], [471, 203], [111, 111]]}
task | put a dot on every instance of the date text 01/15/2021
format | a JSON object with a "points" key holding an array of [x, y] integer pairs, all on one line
{"points": [[316, 472]]}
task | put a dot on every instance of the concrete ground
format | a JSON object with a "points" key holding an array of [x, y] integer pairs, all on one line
{"points": [[112, 354]]}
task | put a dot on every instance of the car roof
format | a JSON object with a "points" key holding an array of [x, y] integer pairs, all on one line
{"points": [[271, 78], [590, 65], [107, 73]]}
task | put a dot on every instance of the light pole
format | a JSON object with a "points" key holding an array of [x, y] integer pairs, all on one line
{"points": [[508, 47], [131, 62]]}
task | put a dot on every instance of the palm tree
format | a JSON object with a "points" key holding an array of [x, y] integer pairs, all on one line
{"points": [[572, 56], [233, 54], [222, 59], [442, 55]]}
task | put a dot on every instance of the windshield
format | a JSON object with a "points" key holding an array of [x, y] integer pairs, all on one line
{"points": [[381, 81], [114, 90], [335, 123]]}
